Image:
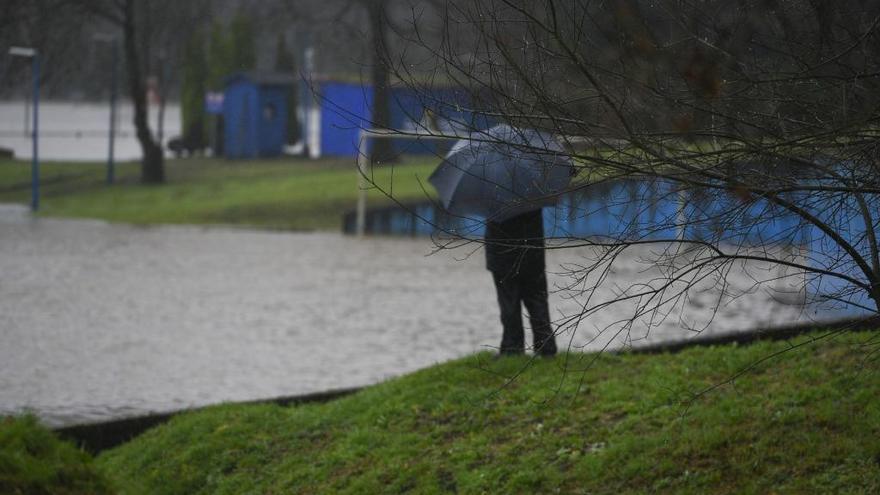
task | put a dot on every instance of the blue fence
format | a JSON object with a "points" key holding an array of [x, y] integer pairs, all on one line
{"points": [[347, 108], [655, 210]]}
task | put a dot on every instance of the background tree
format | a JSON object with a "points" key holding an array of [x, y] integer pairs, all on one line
{"points": [[193, 88], [285, 62], [231, 49], [242, 40], [133, 20], [382, 150], [366, 35], [47, 26], [759, 119], [207, 61]]}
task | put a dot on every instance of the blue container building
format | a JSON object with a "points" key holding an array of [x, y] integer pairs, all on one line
{"points": [[343, 109], [255, 114]]}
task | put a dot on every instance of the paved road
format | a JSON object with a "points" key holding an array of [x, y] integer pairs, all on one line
{"points": [[101, 321]]}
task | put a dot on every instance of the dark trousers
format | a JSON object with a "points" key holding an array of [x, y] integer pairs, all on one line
{"points": [[516, 290]]}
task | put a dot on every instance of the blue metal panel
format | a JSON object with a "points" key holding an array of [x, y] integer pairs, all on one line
{"points": [[446, 111], [272, 117], [345, 110], [255, 118], [250, 109], [239, 118], [408, 114], [442, 110]]}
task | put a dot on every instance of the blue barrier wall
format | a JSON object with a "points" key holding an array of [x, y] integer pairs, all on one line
{"points": [[255, 115], [272, 128], [239, 134], [346, 108]]}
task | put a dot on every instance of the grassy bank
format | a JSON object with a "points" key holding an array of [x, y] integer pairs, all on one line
{"points": [[293, 194], [804, 421], [34, 461]]}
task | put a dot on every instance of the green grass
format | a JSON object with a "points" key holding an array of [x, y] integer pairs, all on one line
{"points": [[34, 461], [294, 194], [805, 421]]}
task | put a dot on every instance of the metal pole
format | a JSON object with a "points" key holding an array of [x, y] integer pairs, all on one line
{"points": [[362, 185], [306, 56], [27, 115], [160, 124], [35, 159], [112, 136]]}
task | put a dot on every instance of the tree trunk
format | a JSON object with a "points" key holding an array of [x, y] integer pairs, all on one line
{"points": [[875, 295], [152, 163], [382, 149]]}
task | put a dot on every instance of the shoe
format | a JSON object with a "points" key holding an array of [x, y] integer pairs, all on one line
{"points": [[547, 350]]}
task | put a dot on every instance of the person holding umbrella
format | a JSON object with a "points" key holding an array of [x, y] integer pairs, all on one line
{"points": [[506, 175], [515, 257]]}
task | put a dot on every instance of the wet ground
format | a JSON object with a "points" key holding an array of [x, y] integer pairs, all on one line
{"points": [[101, 321]]}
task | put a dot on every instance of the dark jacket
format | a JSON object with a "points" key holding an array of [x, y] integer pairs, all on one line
{"points": [[516, 245]]}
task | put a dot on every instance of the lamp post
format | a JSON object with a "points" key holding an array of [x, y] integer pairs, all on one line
{"points": [[160, 89], [18, 51], [114, 47]]}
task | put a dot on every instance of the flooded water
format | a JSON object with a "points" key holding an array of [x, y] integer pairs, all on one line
{"points": [[102, 321], [656, 211], [78, 131]]}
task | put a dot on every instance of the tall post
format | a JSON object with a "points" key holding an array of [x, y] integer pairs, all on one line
{"points": [[160, 117], [112, 137], [304, 112], [35, 159], [361, 215], [27, 115], [18, 51]]}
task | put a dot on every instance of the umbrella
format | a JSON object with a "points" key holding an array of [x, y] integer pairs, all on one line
{"points": [[501, 172]]}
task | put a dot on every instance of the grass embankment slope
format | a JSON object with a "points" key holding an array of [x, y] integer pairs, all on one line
{"points": [[34, 461], [296, 194], [805, 421]]}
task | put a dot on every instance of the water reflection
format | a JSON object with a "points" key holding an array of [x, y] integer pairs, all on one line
{"points": [[625, 210], [660, 210]]}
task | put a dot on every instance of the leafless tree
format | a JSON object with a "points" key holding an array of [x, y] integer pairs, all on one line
{"points": [[759, 119], [369, 36], [134, 21], [45, 25]]}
